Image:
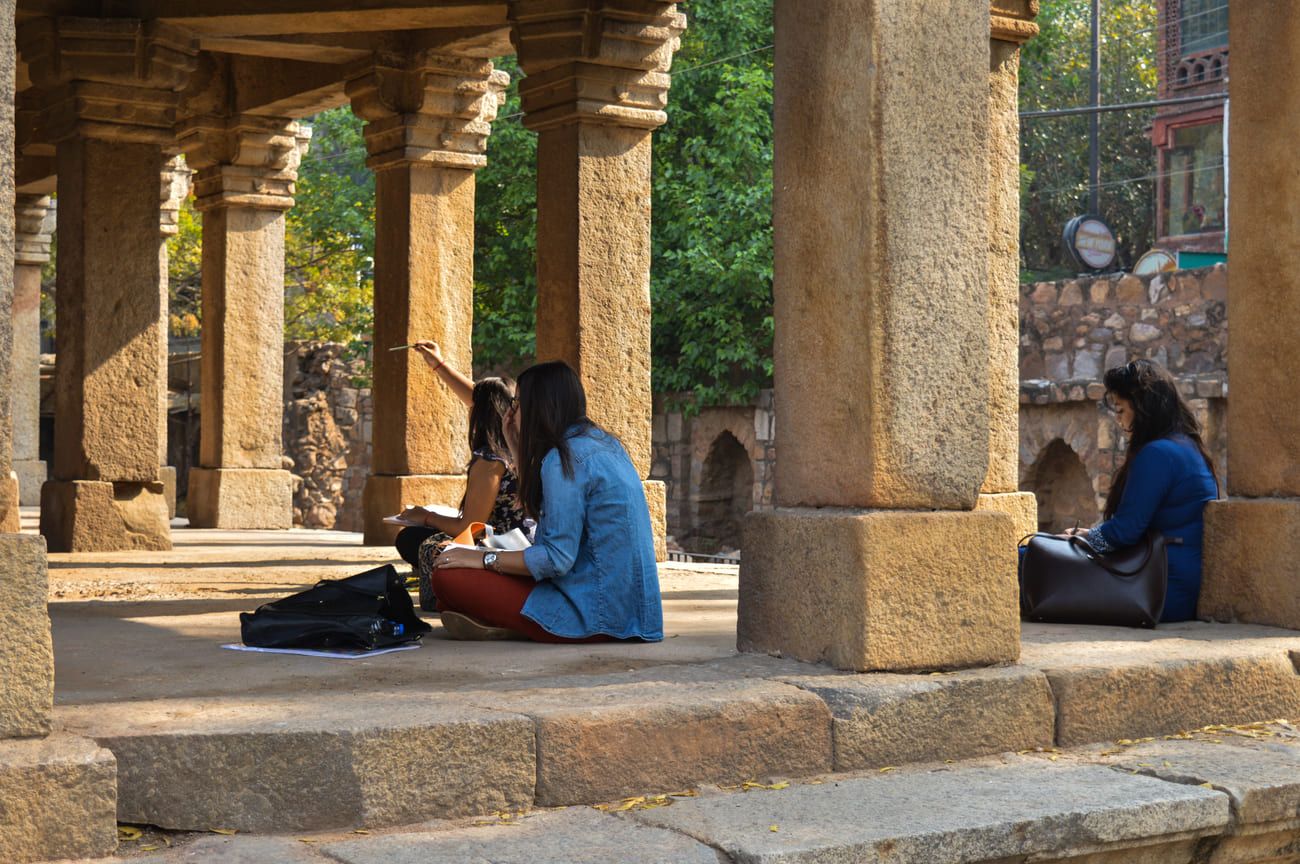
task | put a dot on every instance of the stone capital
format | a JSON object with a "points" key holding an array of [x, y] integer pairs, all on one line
{"points": [[1013, 20], [244, 161], [437, 109], [115, 79], [604, 65], [34, 218]]}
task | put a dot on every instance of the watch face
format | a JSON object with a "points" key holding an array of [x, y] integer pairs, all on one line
{"points": [[489, 559]]}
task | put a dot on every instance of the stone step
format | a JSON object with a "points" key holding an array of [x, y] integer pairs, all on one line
{"points": [[321, 760], [58, 799], [1166, 802]]}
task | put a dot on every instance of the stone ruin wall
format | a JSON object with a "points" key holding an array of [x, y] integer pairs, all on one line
{"points": [[1071, 331], [327, 423]]}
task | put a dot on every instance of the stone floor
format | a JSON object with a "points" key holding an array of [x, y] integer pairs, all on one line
{"points": [[461, 733]]}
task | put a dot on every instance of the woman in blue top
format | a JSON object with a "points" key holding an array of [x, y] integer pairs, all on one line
{"points": [[1165, 481], [590, 574]]}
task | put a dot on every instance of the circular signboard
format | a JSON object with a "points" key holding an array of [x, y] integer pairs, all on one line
{"points": [[1091, 242], [1155, 261]]}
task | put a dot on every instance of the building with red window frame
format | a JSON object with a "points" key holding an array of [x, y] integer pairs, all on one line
{"points": [[1191, 192]]}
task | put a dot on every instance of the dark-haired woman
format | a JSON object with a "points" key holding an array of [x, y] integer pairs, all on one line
{"points": [[491, 486], [1165, 481], [590, 574]]}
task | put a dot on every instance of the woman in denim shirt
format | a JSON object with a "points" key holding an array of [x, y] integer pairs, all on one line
{"points": [[591, 574]]}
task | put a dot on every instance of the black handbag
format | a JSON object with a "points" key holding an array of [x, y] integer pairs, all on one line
{"points": [[1065, 580], [366, 611]]}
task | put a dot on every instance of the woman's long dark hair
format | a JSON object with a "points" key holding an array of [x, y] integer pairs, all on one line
{"points": [[1159, 411], [551, 401], [491, 401]]}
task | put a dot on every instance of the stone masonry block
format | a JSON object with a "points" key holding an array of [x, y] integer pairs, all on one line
{"points": [[31, 474], [656, 499], [240, 498], [277, 765], [896, 719], [1251, 573], [1022, 507], [606, 742], [386, 495], [86, 515], [26, 652], [880, 589], [10, 520], [58, 799], [1114, 700], [167, 476]]}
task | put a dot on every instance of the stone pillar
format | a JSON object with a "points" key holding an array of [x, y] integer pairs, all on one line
{"points": [[246, 168], [427, 123], [1012, 24], [174, 188], [1252, 539], [57, 792], [875, 557], [596, 88], [33, 230], [111, 88]]}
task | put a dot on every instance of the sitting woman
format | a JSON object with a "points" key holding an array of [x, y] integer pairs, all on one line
{"points": [[491, 487], [1165, 481], [590, 575]]}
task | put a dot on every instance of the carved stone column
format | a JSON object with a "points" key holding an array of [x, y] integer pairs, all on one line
{"points": [[174, 188], [111, 90], [245, 173], [1012, 24], [875, 557], [1252, 539], [427, 124], [33, 229], [596, 88]]}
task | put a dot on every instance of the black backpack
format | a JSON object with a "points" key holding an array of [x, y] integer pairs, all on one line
{"points": [[369, 610]]}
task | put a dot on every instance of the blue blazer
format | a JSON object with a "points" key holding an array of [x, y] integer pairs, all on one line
{"points": [[593, 556], [1167, 488]]}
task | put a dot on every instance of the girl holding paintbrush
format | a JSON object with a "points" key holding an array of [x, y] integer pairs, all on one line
{"points": [[491, 485]]}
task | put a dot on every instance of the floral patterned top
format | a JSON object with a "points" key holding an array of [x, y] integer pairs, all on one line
{"points": [[507, 512]]}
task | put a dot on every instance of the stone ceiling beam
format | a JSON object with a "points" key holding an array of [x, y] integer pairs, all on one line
{"points": [[251, 18]]}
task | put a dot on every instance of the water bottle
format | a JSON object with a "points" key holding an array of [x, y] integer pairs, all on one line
{"points": [[386, 627]]}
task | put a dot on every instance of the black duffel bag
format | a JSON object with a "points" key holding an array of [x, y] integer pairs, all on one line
{"points": [[369, 610], [1065, 580]]}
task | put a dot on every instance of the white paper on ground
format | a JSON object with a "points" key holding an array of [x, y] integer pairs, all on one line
{"points": [[331, 653]]}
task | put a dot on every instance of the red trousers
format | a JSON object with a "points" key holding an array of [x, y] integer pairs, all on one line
{"points": [[494, 598]]}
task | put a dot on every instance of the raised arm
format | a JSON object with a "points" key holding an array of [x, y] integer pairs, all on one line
{"points": [[462, 386]]}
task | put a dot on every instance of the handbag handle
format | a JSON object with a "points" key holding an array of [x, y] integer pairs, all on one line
{"points": [[1090, 552], [1096, 557]]}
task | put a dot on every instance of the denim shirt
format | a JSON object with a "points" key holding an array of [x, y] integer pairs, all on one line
{"points": [[593, 556]]}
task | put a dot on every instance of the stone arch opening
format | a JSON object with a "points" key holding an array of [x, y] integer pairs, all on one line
{"points": [[726, 495], [1060, 481]]}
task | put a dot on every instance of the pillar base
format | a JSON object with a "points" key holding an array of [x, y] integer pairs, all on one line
{"points": [[868, 590], [10, 520], [656, 498], [26, 653], [98, 516], [386, 495], [1251, 549], [1022, 507], [31, 474], [240, 498]]}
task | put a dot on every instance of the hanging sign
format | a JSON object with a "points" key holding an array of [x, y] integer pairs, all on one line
{"points": [[1091, 242]]}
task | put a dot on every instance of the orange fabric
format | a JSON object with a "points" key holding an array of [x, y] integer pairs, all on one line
{"points": [[493, 598]]}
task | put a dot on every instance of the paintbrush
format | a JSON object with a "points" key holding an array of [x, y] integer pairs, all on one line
{"points": [[401, 347]]}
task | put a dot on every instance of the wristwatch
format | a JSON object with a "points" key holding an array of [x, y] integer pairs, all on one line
{"points": [[490, 561]]}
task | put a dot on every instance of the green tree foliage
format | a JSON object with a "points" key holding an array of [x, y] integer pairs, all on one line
{"points": [[330, 237], [1054, 74], [505, 237], [711, 277]]}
